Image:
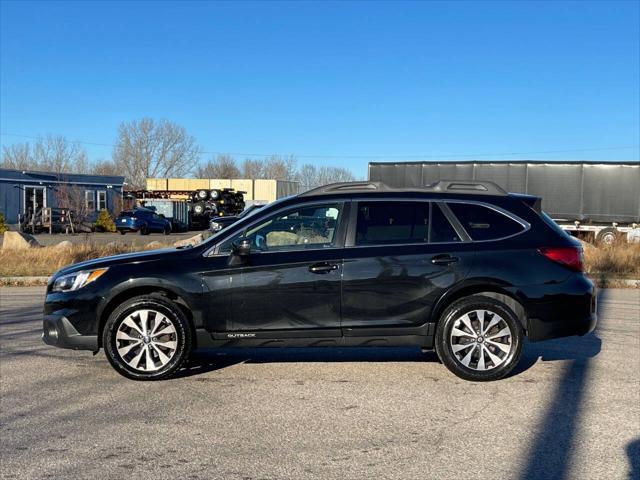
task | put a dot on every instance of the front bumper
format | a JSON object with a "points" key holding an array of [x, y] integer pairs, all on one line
{"points": [[560, 310], [58, 331]]}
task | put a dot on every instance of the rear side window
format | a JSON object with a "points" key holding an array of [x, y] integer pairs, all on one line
{"points": [[381, 223], [483, 223]]}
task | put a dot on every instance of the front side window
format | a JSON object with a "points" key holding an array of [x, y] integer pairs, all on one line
{"points": [[299, 228], [383, 223], [484, 223], [102, 200], [90, 200]]}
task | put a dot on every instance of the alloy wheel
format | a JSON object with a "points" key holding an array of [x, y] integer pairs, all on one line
{"points": [[481, 340], [146, 340]]}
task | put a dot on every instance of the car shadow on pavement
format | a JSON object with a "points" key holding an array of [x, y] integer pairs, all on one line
{"points": [[549, 456], [208, 360]]}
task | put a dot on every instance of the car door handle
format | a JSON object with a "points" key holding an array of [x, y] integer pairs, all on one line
{"points": [[444, 260], [323, 267]]}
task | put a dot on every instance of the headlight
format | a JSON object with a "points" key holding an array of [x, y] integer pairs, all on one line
{"points": [[216, 226], [74, 281]]}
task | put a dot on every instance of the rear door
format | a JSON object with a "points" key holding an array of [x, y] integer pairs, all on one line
{"points": [[399, 257]]}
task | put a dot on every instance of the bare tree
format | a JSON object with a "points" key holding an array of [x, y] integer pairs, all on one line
{"points": [[145, 148], [311, 176], [57, 154], [280, 168], [105, 167], [17, 156], [50, 153], [252, 168], [73, 198], [222, 166]]}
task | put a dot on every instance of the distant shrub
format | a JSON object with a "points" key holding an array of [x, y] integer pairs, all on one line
{"points": [[3, 224], [104, 222]]}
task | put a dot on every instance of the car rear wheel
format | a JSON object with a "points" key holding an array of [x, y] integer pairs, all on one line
{"points": [[479, 338], [167, 229], [147, 338], [144, 230], [122, 232]]}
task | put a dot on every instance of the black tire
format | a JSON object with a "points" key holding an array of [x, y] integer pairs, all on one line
{"points": [[167, 230], [444, 337], [144, 230], [156, 303], [122, 232], [607, 236]]}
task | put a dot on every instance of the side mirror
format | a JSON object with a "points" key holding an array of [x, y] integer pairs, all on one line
{"points": [[241, 247]]}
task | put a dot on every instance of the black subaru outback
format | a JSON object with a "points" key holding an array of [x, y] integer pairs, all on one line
{"points": [[462, 267]]}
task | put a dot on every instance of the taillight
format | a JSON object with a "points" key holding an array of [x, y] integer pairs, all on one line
{"points": [[570, 257]]}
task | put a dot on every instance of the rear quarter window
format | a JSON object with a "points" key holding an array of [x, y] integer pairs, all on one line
{"points": [[484, 223]]}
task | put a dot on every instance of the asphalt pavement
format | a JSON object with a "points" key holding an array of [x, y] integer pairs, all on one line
{"points": [[571, 410]]}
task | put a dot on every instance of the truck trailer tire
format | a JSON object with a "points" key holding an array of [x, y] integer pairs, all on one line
{"points": [[607, 236]]}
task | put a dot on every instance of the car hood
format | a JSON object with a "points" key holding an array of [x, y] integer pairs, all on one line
{"points": [[134, 257]]}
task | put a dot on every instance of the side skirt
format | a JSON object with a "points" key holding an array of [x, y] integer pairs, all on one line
{"points": [[246, 340]]}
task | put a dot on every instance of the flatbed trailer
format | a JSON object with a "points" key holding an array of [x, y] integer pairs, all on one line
{"points": [[193, 207]]}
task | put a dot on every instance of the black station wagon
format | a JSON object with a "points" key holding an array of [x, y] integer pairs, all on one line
{"points": [[460, 267]]}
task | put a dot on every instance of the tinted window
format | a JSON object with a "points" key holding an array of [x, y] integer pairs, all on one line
{"points": [[295, 229], [381, 223], [483, 223], [441, 229]]}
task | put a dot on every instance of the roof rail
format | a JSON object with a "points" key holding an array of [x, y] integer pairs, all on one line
{"points": [[474, 187], [342, 187]]}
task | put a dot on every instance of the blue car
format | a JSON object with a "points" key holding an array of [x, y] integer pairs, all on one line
{"points": [[143, 221]]}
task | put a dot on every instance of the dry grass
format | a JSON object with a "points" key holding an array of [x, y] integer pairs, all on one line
{"points": [[46, 260], [621, 260]]}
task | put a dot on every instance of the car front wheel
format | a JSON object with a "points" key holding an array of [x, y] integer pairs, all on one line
{"points": [[479, 338], [147, 338]]}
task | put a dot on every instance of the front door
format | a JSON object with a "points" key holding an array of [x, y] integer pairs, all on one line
{"points": [[400, 257], [291, 280], [34, 199]]}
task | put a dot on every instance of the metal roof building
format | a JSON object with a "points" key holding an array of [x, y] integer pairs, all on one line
{"points": [[22, 191]]}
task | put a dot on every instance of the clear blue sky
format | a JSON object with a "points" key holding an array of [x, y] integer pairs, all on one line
{"points": [[451, 80]]}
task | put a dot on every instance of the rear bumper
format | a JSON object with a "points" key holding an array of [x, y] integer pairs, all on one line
{"points": [[58, 331], [560, 310]]}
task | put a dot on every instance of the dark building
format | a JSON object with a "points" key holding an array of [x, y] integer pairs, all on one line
{"points": [[23, 191]]}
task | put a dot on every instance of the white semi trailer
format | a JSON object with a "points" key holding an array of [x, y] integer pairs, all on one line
{"points": [[599, 201]]}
